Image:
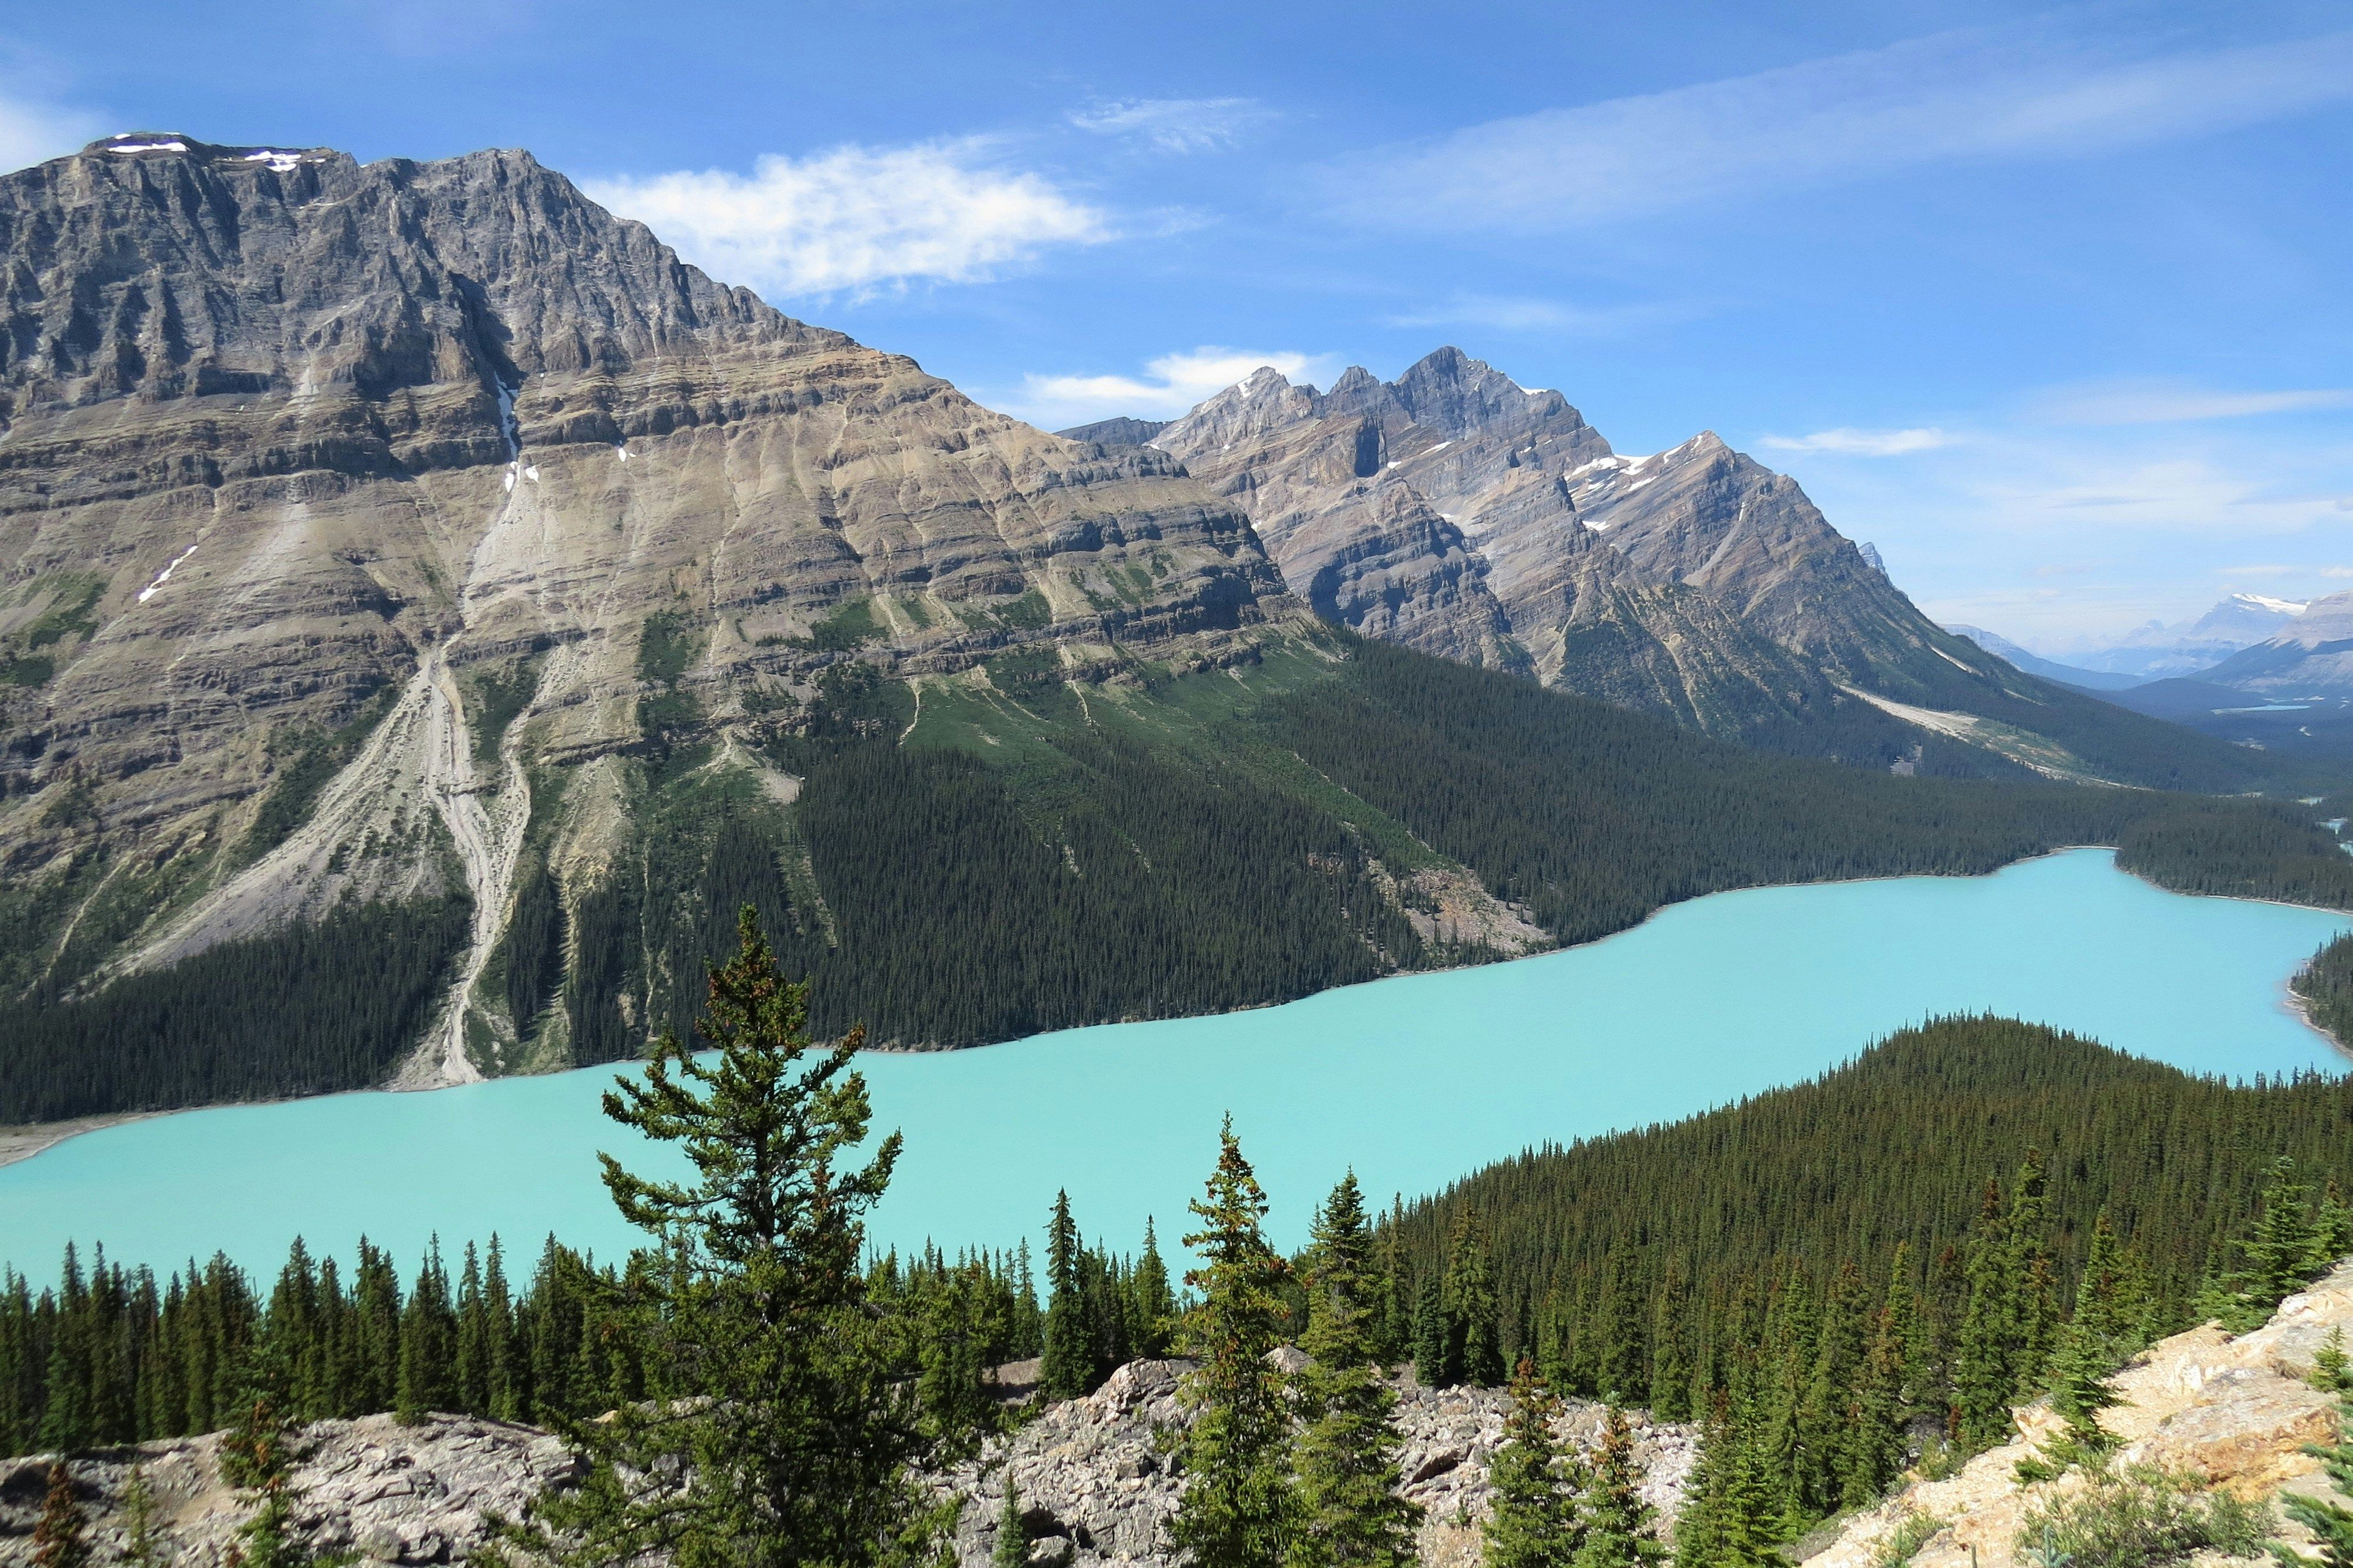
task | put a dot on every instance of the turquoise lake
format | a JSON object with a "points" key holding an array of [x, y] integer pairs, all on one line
{"points": [[1413, 1080]]}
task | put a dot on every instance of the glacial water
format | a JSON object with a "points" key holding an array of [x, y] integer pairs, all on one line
{"points": [[1413, 1080]]}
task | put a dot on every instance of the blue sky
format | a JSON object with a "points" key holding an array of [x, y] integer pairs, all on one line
{"points": [[2053, 305]]}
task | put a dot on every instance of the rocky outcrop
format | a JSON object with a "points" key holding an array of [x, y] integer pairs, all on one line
{"points": [[1095, 1481], [384, 1492], [1094, 1475], [2234, 1413]]}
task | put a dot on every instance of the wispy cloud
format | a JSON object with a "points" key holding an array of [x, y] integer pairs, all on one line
{"points": [[2167, 403], [33, 132], [1847, 441], [1513, 313], [1171, 386], [1175, 124], [859, 219], [1975, 95]]}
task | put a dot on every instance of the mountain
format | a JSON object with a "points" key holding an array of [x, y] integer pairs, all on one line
{"points": [[1459, 513], [2156, 651], [2049, 669], [339, 503], [429, 611], [2310, 657]]}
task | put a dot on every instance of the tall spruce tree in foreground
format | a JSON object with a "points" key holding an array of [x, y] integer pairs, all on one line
{"points": [[1239, 1509], [753, 1297], [1475, 1351], [1350, 1516], [1535, 1483], [1067, 1369], [2104, 1331], [1155, 1303]]}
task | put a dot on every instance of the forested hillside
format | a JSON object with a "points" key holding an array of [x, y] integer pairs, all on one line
{"points": [[1161, 847], [1693, 1225]]}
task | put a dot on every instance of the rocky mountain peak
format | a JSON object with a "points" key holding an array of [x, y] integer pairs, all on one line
{"points": [[161, 266], [300, 446]]}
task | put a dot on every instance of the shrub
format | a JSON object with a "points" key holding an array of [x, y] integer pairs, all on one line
{"points": [[2142, 1518]]}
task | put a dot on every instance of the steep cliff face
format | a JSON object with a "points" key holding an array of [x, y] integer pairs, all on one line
{"points": [[1463, 514], [1458, 512], [372, 489]]}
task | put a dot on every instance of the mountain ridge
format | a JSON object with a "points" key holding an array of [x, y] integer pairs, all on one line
{"points": [[1457, 512]]}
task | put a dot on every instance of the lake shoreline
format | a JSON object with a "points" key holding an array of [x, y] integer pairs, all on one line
{"points": [[1720, 999], [24, 1141]]}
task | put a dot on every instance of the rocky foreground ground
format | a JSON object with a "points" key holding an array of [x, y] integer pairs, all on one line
{"points": [[1095, 1483], [1092, 1474], [2235, 1413]]}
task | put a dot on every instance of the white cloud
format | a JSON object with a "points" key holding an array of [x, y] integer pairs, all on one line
{"points": [[1172, 385], [1513, 313], [855, 218], [35, 132], [1847, 441], [2162, 403], [1175, 124], [1975, 95]]}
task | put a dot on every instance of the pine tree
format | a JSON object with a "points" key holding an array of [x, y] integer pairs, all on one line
{"points": [[428, 1344], [1393, 1340], [2033, 1317], [1981, 1372], [1701, 1529], [1238, 1508], [1346, 1454], [503, 1377], [1155, 1303], [1671, 1370], [1028, 1322], [1535, 1523], [1616, 1520], [257, 1456], [2101, 1334], [1475, 1351], [1012, 1548], [1431, 1342], [140, 1548], [753, 1297], [62, 1536], [1067, 1369], [2332, 1372]]}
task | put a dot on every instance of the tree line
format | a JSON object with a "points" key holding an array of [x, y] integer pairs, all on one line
{"points": [[752, 1344]]}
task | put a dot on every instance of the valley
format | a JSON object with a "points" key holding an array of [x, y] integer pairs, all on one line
{"points": [[1704, 1003], [454, 650]]}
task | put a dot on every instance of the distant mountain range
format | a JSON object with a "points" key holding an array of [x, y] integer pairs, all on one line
{"points": [[2261, 672], [2048, 668], [1459, 513], [2156, 651]]}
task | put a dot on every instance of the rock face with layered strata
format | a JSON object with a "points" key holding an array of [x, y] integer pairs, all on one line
{"points": [[283, 435], [1458, 512]]}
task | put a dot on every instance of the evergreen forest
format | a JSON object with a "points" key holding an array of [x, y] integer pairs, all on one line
{"points": [[1834, 1279], [1185, 846]]}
